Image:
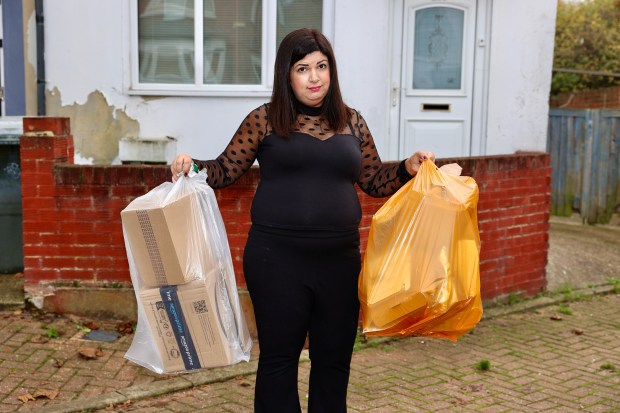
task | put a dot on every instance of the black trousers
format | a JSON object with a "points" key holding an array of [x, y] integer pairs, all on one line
{"points": [[303, 284]]}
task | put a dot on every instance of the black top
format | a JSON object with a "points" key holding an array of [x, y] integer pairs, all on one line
{"points": [[307, 180]]}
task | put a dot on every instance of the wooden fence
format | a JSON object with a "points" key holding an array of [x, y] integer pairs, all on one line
{"points": [[585, 162]]}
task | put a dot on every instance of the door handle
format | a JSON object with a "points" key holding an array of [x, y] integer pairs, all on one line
{"points": [[395, 94]]}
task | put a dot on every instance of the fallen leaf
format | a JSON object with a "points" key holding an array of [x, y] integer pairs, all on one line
{"points": [[46, 394], [125, 328], [91, 326], [556, 317], [115, 408], [25, 398], [90, 353], [459, 401], [39, 394], [473, 387]]}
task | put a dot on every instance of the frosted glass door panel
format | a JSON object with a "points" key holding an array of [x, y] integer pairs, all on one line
{"points": [[438, 48]]}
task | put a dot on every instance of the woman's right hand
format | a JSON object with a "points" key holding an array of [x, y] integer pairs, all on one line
{"points": [[181, 165]]}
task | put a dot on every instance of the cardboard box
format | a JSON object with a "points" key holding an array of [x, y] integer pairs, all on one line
{"points": [[394, 308], [166, 244], [186, 324]]}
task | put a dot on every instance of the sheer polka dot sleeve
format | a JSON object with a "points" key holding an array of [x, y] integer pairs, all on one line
{"points": [[376, 179], [240, 153]]}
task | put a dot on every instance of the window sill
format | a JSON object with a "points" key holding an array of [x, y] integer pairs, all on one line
{"points": [[199, 93]]}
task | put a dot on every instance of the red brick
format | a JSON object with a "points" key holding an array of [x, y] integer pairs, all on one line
{"points": [[128, 190], [594, 99], [118, 274], [32, 238], [39, 250], [58, 262], [76, 227], [43, 191], [54, 238], [37, 178], [33, 275], [76, 274], [32, 262], [116, 251]]}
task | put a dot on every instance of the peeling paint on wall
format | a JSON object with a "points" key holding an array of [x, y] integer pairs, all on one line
{"points": [[96, 126]]}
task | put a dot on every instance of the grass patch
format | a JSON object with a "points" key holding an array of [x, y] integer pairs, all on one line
{"points": [[609, 367], [569, 294], [514, 298], [82, 328], [362, 342], [483, 365], [51, 332], [564, 309]]}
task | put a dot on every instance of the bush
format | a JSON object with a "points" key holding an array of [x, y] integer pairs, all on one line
{"points": [[587, 38]]}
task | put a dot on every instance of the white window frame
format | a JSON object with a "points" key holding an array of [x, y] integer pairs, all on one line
{"points": [[199, 88]]}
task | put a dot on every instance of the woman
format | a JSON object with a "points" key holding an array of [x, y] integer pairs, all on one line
{"points": [[302, 257]]}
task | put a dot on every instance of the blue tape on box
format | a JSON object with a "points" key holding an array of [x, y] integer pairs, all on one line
{"points": [[179, 327]]}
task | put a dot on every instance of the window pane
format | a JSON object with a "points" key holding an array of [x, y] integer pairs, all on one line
{"points": [[296, 14], [166, 41], [438, 47], [233, 41], [232, 38]]}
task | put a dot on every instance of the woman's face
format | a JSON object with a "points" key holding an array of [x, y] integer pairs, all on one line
{"points": [[310, 79]]}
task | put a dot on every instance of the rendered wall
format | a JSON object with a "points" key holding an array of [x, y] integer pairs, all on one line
{"points": [[82, 63], [521, 59]]}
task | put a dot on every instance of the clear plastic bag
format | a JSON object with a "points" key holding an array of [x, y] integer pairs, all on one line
{"points": [[421, 274], [189, 314]]}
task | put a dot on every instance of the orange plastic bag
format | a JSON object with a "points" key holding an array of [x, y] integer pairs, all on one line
{"points": [[421, 273]]}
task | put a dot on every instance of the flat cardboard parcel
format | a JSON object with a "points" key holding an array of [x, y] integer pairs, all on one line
{"points": [[186, 327]]}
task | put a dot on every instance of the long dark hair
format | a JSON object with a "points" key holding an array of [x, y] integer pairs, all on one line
{"points": [[282, 110]]}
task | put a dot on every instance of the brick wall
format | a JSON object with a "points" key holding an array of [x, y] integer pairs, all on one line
{"points": [[606, 98], [73, 234]]}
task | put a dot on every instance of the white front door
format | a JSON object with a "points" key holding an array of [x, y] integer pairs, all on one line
{"points": [[435, 89]]}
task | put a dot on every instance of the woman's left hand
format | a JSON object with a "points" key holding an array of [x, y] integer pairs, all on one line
{"points": [[412, 164]]}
